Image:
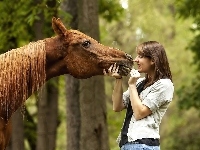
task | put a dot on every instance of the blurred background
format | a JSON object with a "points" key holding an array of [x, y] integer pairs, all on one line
{"points": [[72, 114]]}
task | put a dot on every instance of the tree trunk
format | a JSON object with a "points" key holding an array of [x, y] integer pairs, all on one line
{"points": [[9, 146], [42, 100], [42, 139], [17, 131], [52, 98], [73, 113], [94, 133], [72, 87], [48, 100], [52, 114], [47, 116]]}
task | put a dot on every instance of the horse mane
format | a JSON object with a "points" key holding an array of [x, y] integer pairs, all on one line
{"points": [[22, 71]]}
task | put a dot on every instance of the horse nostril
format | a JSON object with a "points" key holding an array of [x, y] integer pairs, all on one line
{"points": [[129, 57]]}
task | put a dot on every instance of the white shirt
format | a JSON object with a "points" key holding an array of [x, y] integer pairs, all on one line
{"points": [[157, 97]]}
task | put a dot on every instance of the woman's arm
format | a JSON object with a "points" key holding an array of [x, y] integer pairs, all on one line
{"points": [[140, 110], [118, 90], [117, 96]]}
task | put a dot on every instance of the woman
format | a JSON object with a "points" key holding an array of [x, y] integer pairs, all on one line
{"points": [[146, 99]]}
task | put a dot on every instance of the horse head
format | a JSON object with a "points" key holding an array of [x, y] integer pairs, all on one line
{"points": [[81, 56]]}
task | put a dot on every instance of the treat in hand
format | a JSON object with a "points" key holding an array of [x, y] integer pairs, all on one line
{"points": [[134, 73]]}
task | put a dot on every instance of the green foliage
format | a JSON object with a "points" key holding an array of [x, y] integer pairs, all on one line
{"points": [[110, 10], [189, 96], [115, 121], [13, 23], [17, 19], [185, 135], [195, 47], [191, 9], [188, 8]]}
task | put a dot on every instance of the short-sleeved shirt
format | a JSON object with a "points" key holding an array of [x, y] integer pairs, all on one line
{"points": [[157, 97]]}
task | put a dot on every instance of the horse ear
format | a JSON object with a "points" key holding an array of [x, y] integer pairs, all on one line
{"points": [[58, 26]]}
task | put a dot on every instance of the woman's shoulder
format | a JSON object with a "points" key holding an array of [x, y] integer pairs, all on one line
{"points": [[161, 83], [164, 83]]}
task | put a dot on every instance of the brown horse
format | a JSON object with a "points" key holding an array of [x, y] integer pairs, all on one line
{"points": [[25, 69]]}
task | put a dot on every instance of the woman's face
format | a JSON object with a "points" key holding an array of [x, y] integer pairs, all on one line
{"points": [[144, 64]]}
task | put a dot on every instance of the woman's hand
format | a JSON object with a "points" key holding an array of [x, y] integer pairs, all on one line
{"points": [[134, 76], [113, 71], [132, 81]]}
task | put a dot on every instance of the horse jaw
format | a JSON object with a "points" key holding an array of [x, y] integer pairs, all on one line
{"points": [[81, 66]]}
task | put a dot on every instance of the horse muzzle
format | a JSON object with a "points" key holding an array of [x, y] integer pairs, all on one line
{"points": [[126, 65]]}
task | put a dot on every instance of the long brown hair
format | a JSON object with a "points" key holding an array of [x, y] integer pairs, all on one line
{"points": [[156, 52]]}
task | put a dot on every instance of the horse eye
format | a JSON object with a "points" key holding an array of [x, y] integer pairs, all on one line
{"points": [[86, 44]]}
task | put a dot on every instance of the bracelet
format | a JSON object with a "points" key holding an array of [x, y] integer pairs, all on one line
{"points": [[119, 78]]}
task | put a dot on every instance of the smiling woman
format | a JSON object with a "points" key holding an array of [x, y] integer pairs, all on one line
{"points": [[146, 99]]}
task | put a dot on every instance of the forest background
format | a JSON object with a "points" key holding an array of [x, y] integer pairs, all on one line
{"points": [[118, 23]]}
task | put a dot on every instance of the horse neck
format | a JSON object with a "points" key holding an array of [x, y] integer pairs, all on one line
{"points": [[22, 73], [55, 54]]}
